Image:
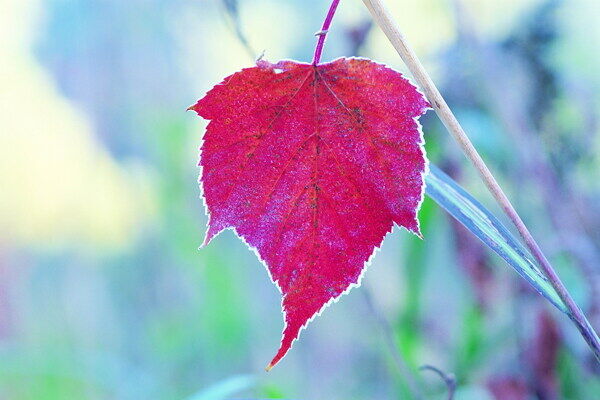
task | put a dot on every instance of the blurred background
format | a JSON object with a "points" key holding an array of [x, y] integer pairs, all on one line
{"points": [[105, 295]]}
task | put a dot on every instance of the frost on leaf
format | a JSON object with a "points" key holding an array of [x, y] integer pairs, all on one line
{"points": [[312, 166]]}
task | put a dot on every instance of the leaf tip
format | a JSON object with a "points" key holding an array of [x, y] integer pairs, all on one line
{"points": [[419, 234], [210, 234], [195, 107], [414, 228], [269, 367], [205, 243]]}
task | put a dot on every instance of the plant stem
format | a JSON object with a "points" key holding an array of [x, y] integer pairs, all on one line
{"points": [[323, 32], [388, 334], [449, 379], [391, 29]]}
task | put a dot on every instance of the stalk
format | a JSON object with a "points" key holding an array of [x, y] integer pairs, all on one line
{"points": [[322, 34], [390, 27]]}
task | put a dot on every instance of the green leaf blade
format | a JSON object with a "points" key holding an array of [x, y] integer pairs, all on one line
{"points": [[485, 226]]}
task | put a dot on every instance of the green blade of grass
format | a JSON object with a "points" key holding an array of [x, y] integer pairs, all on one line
{"points": [[483, 224]]}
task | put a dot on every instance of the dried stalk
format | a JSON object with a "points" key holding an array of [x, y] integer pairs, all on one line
{"points": [[384, 19]]}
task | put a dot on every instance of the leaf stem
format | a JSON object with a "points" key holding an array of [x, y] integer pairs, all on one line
{"points": [[322, 34], [384, 19]]}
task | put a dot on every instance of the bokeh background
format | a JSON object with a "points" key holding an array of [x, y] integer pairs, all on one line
{"points": [[105, 295]]}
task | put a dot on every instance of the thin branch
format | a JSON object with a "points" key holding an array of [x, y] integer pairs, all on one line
{"points": [[388, 334], [232, 12], [384, 19]]}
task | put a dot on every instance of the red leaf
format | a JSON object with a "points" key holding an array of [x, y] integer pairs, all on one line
{"points": [[311, 166]]}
